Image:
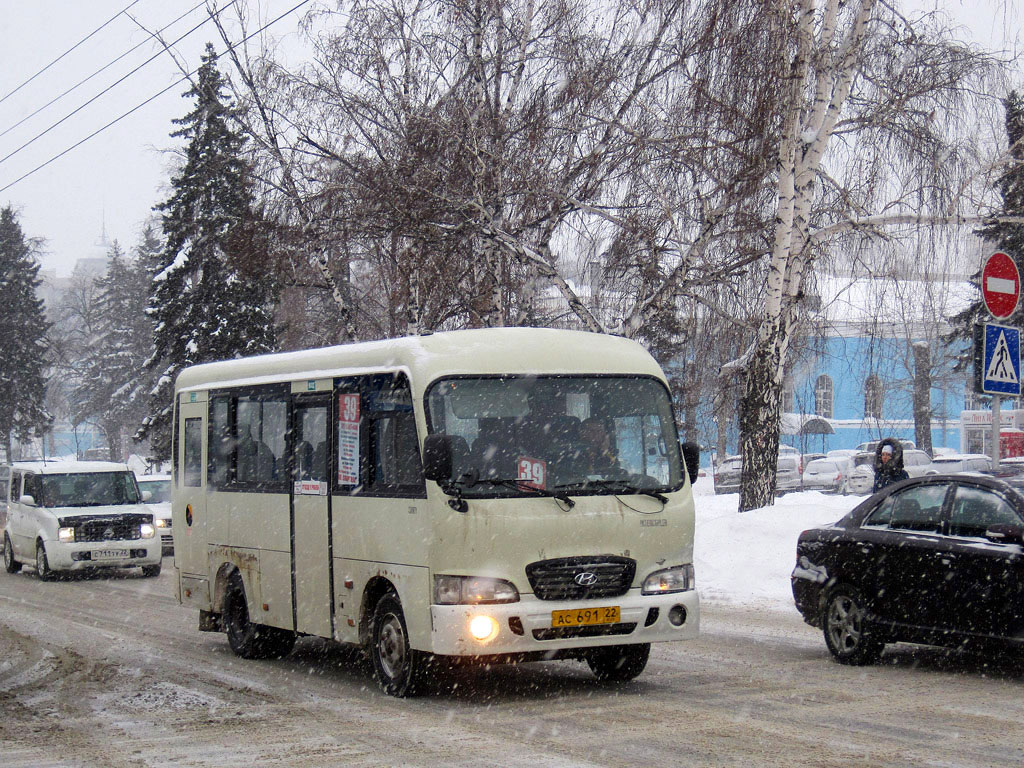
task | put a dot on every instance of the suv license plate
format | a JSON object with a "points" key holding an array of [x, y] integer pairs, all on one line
{"points": [[608, 614], [110, 554]]}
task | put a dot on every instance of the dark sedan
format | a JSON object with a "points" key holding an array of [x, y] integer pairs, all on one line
{"points": [[937, 559]]}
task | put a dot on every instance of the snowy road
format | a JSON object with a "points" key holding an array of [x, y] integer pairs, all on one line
{"points": [[111, 673]]}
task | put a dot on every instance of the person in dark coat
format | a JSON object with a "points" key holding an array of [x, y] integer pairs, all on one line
{"points": [[888, 464]]}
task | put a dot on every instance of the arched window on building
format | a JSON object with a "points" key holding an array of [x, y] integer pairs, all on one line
{"points": [[823, 396], [873, 396], [788, 399]]}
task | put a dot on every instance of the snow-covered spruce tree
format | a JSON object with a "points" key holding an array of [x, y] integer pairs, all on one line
{"points": [[23, 348], [211, 297], [112, 388]]}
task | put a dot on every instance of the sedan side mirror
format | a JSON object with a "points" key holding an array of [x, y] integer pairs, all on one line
{"points": [[1005, 533]]}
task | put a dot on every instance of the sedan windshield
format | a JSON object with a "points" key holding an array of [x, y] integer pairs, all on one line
{"points": [[578, 434], [89, 489]]}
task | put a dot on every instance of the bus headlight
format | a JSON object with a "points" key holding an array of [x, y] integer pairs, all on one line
{"points": [[473, 590], [66, 535], [147, 531], [483, 628], [678, 579]]}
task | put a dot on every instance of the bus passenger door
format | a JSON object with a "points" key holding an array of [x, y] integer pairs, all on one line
{"points": [[311, 530], [188, 512]]}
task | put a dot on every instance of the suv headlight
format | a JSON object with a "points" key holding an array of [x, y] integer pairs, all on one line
{"points": [[66, 535], [473, 590], [678, 579], [147, 531]]}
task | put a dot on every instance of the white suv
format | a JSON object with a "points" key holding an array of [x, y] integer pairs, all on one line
{"points": [[74, 516]]}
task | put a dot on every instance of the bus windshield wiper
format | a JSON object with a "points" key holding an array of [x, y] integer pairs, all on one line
{"points": [[522, 485], [617, 486]]}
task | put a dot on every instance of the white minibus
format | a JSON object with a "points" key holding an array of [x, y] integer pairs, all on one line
{"points": [[495, 494]]}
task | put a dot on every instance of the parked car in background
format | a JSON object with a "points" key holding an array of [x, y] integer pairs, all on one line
{"points": [[842, 453], [807, 458], [74, 516], [872, 445], [916, 462], [862, 473], [787, 473], [960, 462], [159, 489], [727, 475], [937, 559], [828, 475]]}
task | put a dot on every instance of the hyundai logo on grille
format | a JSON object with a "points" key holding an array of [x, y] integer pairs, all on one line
{"points": [[108, 533], [585, 579]]}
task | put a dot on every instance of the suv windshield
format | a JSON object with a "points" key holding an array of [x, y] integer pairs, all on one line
{"points": [[582, 434], [88, 489]]}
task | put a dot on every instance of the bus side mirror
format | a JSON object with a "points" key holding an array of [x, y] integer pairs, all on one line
{"points": [[691, 457], [437, 458]]}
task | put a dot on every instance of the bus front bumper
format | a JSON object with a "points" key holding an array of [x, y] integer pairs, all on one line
{"points": [[533, 625]]}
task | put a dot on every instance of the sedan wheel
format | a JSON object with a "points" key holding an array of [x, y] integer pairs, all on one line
{"points": [[847, 633]]}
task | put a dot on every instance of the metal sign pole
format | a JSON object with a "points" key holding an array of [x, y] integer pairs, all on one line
{"points": [[996, 399]]}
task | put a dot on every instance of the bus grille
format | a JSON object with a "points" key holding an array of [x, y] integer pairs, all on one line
{"points": [[109, 528], [557, 579]]}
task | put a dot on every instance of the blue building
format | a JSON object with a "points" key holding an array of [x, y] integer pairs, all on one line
{"points": [[851, 376]]}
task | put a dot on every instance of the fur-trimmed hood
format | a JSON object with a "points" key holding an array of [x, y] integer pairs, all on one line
{"points": [[896, 462]]}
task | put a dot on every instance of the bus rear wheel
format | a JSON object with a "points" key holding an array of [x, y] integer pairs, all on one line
{"points": [[399, 669], [618, 663], [246, 638]]}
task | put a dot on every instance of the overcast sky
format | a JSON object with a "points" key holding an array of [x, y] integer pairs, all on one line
{"points": [[113, 180]]}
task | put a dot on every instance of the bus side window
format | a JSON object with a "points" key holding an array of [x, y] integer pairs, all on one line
{"points": [[193, 476], [220, 443], [260, 424]]}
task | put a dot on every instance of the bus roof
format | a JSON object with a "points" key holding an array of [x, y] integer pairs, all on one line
{"points": [[430, 356]]}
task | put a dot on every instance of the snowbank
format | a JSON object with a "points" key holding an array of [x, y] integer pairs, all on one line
{"points": [[746, 559]]}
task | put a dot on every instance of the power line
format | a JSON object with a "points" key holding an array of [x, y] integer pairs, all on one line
{"points": [[105, 67], [110, 87], [151, 98], [69, 50]]}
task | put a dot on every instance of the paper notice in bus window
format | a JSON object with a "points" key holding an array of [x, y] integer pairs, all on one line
{"points": [[310, 488], [533, 472], [348, 439]]}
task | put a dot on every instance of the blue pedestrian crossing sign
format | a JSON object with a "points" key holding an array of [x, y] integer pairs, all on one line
{"points": [[997, 368]]}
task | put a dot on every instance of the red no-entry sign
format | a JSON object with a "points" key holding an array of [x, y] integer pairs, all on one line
{"points": [[1000, 285]]}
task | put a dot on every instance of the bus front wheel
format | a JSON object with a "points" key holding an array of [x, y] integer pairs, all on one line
{"points": [[618, 663], [246, 638], [398, 668]]}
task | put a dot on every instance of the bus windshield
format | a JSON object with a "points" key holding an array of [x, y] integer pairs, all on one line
{"points": [[580, 434]]}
